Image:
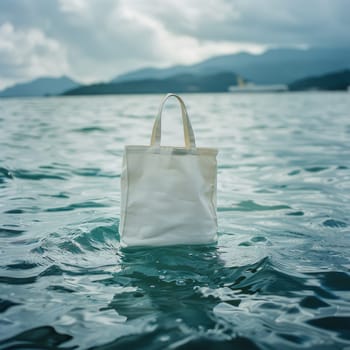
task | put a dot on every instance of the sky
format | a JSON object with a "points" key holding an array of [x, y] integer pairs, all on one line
{"points": [[95, 40]]}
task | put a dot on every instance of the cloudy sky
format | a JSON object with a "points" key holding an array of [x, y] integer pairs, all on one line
{"points": [[94, 40]]}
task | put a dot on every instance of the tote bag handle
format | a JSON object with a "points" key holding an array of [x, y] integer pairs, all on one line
{"points": [[188, 131]]}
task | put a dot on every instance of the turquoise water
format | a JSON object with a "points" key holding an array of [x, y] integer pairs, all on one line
{"points": [[278, 277]]}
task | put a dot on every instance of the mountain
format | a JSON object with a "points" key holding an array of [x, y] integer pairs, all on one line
{"points": [[40, 87], [333, 81], [180, 83], [275, 66]]}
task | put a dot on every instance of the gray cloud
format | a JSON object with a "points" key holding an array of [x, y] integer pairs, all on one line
{"points": [[97, 39], [271, 22]]}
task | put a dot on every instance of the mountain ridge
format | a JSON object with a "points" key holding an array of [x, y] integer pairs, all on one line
{"points": [[40, 87], [219, 82], [180, 83], [333, 81], [274, 66]]}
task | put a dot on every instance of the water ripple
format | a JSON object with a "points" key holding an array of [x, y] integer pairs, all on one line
{"points": [[78, 206], [34, 175], [277, 279]]}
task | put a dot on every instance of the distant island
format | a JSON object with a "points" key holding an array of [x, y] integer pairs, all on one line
{"points": [[40, 87], [332, 81], [275, 66], [220, 82], [179, 83], [311, 69]]}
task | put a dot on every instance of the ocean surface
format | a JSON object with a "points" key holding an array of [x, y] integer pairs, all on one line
{"points": [[278, 277]]}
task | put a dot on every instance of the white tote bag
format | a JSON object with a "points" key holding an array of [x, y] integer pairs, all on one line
{"points": [[168, 194]]}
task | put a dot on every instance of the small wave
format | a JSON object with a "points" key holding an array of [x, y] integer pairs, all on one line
{"points": [[44, 337], [316, 169], [89, 129], [265, 278], [5, 174], [98, 238], [227, 166], [23, 210], [14, 211], [60, 289], [334, 280], [250, 205], [52, 270], [9, 232], [6, 304], [22, 265], [82, 205], [313, 302], [294, 172], [205, 342], [334, 223], [95, 172], [76, 242], [58, 195], [33, 175], [296, 213], [337, 324], [254, 241], [18, 280]]}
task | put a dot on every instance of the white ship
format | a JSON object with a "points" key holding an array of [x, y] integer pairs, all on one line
{"points": [[243, 86]]}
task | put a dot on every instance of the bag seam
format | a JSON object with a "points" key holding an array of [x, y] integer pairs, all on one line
{"points": [[126, 194]]}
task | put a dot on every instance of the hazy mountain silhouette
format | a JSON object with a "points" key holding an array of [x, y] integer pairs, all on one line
{"points": [[333, 81], [40, 87], [180, 83], [276, 66]]}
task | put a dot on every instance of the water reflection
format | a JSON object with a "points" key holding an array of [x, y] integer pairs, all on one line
{"points": [[172, 293]]}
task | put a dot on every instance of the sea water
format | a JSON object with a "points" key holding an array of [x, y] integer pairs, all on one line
{"points": [[278, 277]]}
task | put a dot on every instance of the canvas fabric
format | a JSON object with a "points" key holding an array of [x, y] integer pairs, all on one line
{"points": [[168, 194]]}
